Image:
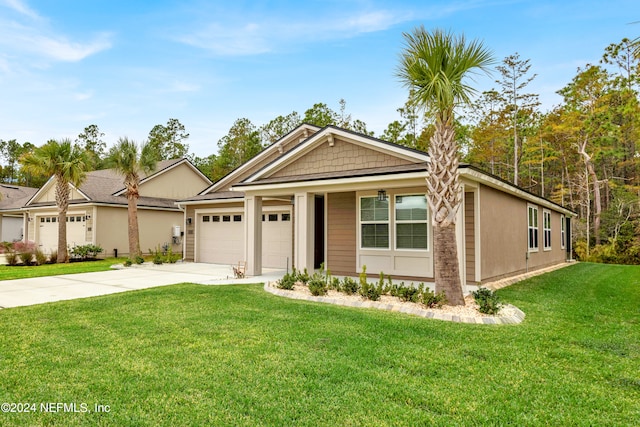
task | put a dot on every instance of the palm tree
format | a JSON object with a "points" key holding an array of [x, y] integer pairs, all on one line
{"points": [[434, 66], [127, 160], [68, 164]]}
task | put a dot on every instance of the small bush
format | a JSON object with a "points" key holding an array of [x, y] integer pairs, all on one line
{"points": [[317, 285], [41, 258], [302, 276], [12, 258], [287, 282], [138, 259], [408, 293], [127, 262], [53, 257], [157, 256], [349, 286], [26, 257], [334, 284], [433, 300], [487, 300]]}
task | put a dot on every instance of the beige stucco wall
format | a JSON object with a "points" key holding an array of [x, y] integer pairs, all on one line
{"points": [[504, 244], [179, 182], [155, 229], [342, 156]]}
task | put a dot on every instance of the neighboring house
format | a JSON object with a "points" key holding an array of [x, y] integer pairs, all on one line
{"points": [[12, 198], [97, 211], [330, 196]]}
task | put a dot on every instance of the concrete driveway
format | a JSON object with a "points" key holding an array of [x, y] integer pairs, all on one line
{"points": [[22, 292]]}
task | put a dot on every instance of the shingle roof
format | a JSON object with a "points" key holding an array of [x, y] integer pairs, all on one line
{"points": [[353, 173], [216, 196], [15, 196]]}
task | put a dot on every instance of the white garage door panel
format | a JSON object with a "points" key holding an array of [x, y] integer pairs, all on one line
{"points": [[222, 242], [276, 240], [48, 232]]}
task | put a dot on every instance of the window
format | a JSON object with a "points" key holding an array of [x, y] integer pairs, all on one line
{"points": [[205, 218], [226, 218], [72, 219], [546, 226], [215, 218], [54, 219], [273, 217], [411, 222], [78, 219], [374, 223], [533, 228], [263, 217], [48, 219], [41, 219], [563, 234], [237, 218], [286, 217]]}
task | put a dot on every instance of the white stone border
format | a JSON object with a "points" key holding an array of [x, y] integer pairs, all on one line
{"points": [[516, 318]]}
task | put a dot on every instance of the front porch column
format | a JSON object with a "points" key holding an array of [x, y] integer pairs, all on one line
{"points": [[253, 235], [303, 235]]}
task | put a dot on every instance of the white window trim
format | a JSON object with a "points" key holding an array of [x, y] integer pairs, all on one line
{"points": [[395, 222], [389, 223], [534, 227], [546, 213]]}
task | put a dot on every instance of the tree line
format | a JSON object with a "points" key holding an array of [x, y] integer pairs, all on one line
{"points": [[582, 154]]}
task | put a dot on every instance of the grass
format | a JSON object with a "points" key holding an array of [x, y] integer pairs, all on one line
{"points": [[24, 272], [235, 355]]}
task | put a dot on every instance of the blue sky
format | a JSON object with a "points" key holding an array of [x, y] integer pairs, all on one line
{"points": [[127, 65]]}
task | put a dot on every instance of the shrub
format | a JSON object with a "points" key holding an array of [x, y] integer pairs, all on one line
{"points": [[287, 282], [303, 277], [334, 284], [349, 286], [409, 293], [12, 258], [26, 257], [170, 257], [487, 300], [138, 259], [53, 257], [127, 262], [157, 256], [41, 258], [317, 285], [85, 252], [432, 300], [20, 246]]}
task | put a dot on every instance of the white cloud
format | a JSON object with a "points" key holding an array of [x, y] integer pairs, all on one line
{"points": [[253, 36], [20, 7], [28, 42]]}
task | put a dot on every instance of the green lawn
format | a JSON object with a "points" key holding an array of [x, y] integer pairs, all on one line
{"points": [[235, 355], [22, 272]]}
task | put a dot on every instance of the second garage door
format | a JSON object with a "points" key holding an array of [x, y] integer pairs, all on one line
{"points": [[221, 238], [48, 231]]}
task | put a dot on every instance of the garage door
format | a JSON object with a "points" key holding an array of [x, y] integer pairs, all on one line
{"points": [[221, 238], [48, 231]]}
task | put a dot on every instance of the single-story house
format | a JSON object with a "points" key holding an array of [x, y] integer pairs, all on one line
{"points": [[97, 212], [12, 198], [346, 200]]}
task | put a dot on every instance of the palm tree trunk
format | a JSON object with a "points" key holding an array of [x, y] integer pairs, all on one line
{"points": [[134, 234], [444, 200], [447, 269], [62, 201]]}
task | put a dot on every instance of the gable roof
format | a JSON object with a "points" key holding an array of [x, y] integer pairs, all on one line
{"points": [[106, 186], [15, 196], [283, 144], [329, 135], [162, 167]]}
